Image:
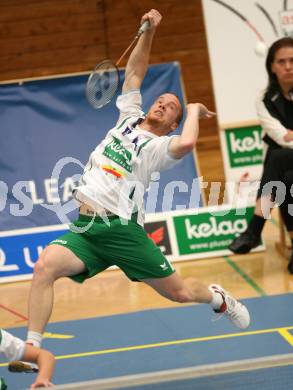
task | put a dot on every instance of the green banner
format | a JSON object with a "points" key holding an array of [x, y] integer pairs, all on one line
{"points": [[206, 232], [245, 146]]}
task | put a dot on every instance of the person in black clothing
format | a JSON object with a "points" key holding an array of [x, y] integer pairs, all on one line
{"points": [[275, 112]]}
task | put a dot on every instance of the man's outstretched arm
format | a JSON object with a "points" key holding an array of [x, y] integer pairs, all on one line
{"points": [[46, 362], [138, 61], [183, 144]]}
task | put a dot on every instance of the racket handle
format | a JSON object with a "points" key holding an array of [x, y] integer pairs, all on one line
{"points": [[145, 26]]}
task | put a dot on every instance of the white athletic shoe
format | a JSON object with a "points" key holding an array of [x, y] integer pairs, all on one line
{"points": [[231, 308]]}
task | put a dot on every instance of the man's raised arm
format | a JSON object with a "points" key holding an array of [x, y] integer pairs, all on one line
{"points": [[185, 142], [138, 61]]}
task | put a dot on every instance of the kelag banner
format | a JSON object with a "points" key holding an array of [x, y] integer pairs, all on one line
{"points": [[47, 132], [209, 231], [243, 150], [245, 146]]}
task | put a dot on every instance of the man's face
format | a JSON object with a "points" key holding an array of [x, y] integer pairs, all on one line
{"points": [[165, 111], [282, 66]]}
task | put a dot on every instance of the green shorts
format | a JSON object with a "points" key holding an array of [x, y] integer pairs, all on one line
{"points": [[125, 245]]}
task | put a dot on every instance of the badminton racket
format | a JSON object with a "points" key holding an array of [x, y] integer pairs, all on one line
{"points": [[104, 80]]}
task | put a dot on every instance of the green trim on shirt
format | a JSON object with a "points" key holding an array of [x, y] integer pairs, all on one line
{"points": [[141, 146], [125, 119]]}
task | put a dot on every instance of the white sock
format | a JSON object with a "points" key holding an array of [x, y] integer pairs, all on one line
{"points": [[217, 299], [34, 338]]}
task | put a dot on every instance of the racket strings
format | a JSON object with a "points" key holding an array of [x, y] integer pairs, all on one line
{"points": [[102, 84]]}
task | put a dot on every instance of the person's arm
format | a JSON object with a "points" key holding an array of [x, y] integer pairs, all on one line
{"points": [[138, 61], [273, 127], [46, 363], [183, 144]]}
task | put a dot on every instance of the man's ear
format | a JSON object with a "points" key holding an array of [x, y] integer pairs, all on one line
{"points": [[174, 126]]}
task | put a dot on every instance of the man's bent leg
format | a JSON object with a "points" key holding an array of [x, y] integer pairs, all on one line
{"points": [[54, 262], [174, 288]]}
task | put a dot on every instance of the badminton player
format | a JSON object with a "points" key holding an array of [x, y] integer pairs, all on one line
{"points": [[109, 230]]}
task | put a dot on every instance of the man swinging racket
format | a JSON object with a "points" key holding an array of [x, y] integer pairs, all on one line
{"points": [[109, 230]]}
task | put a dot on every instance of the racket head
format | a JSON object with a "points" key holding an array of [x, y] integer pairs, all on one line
{"points": [[102, 84]]}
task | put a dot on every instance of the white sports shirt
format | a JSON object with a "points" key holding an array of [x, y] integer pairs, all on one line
{"points": [[119, 170], [11, 347]]}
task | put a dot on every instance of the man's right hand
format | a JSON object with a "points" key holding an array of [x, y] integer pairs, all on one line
{"points": [[200, 110], [154, 17]]}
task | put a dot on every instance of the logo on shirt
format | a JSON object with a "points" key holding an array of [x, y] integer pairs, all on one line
{"points": [[114, 171], [116, 152]]}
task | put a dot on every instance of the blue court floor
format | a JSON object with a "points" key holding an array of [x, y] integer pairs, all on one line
{"points": [[164, 339]]}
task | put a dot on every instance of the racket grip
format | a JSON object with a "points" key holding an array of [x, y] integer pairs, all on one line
{"points": [[145, 26]]}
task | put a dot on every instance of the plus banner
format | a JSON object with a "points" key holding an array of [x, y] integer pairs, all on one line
{"points": [[48, 131]]}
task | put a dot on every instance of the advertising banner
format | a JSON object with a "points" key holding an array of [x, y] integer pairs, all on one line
{"points": [[208, 233], [242, 150], [20, 249], [244, 145]]}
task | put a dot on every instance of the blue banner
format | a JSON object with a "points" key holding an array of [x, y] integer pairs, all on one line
{"points": [[20, 251], [47, 126]]}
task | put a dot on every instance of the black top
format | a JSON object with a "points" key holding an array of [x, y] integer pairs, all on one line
{"points": [[280, 108], [288, 105]]}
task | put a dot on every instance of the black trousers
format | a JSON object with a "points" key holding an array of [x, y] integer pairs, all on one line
{"points": [[278, 167]]}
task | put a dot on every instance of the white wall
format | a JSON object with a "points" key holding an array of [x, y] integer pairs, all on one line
{"points": [[238, 72]]}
